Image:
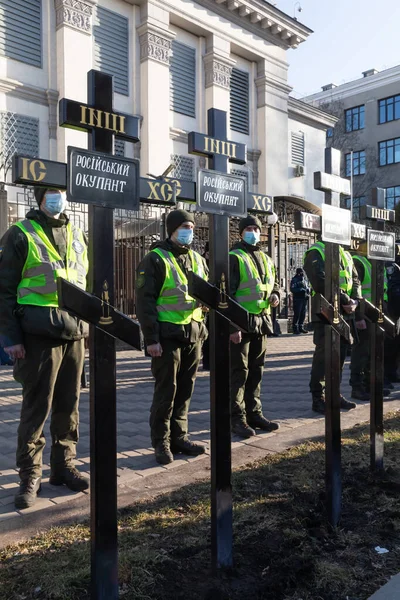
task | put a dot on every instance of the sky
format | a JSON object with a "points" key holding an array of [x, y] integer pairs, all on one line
{"points": [[350, 36]]}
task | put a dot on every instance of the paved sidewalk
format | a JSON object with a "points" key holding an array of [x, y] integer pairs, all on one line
{"points": [[285, 398]]}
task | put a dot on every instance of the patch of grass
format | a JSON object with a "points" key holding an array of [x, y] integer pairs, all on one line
{"points": [[284, 548]]}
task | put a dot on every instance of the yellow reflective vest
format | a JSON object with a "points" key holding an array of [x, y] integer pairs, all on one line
{"points": [[174, 305], [252, 293], [44, 264]]}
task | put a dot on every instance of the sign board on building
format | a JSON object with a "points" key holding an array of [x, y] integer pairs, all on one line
{"points": [[103, 179], [381, 245], [336, 225], [221, 194]]}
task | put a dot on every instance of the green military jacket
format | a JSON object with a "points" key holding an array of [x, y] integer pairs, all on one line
{"points": [[15, 320], [262, 323], [150, 276]]}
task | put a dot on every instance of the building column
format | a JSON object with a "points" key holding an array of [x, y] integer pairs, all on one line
{"points": [[155, 50], [74, 60], [272, 119], [218, 70]]}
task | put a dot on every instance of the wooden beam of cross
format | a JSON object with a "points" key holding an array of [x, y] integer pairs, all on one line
{"points": [[166, 192], [98, 312], [304, 221], [217, 299], [380, 248], [336, 229]]}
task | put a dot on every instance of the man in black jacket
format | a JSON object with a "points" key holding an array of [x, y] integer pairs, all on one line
{"points": [[46, 343], [173, 328], [301, 293], [253, 284]]}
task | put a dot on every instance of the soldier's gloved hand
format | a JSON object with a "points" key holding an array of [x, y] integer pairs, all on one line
{"points": [[350, 308], [17, 351], [274, 300], [236, 337], [361, 324], [154, 350]]}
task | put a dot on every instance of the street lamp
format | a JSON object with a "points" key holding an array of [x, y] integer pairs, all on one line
{"points": [[297, 7]]}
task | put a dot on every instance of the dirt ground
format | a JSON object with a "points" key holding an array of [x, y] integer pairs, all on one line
{"points": [[283, 547]]}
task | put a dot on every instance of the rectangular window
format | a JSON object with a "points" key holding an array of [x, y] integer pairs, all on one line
{"points": [[111, 47], [355, 118], [297, 145], [389, 152], [239, 101], [389, 109], [358, 201], [392, 197], [183, 79], [21, 30], [358, 163]]}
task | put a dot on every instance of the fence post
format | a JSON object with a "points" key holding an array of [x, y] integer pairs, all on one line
{"points": [[3, 210]]}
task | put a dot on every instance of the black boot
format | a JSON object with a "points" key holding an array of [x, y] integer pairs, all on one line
{"points": [[242, 430], [29, 488], [346, 404], [262, 423], [163, 453], [70, 476], [303, 329], [185, 446], [296, 331], [358, 393], [318, 404]]}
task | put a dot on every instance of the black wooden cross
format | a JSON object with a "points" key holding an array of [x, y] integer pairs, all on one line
{"points": [[219, 150], [333, 185], [381, 248]]}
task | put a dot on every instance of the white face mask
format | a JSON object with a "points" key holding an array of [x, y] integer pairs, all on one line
{"points": [[55, 202]]}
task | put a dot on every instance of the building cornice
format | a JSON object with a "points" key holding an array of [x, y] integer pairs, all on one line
{"points": [[29, 93], [262, 19], [310, 115], [358, 86]]}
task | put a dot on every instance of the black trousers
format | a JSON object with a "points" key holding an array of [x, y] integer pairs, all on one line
{"points": [[317, 380], [360, 359], [175, 373], [247, 366], [299, 312], [50, 375]]}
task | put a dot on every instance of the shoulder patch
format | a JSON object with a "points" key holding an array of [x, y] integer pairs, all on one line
{"points": [[140, 281]]}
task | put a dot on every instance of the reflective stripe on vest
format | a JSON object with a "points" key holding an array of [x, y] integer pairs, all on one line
{"points": [[174, 305], [346, 262], [44, 264], [367, 281], [252, 293]]}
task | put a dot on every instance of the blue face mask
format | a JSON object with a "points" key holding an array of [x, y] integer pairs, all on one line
{"points": [[185, 236], [251, 237], [55, 203]]}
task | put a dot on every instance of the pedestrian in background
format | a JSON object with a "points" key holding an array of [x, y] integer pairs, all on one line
{"points": [[301, 293], [206, 344], [173, 327], [253, 284], [46, 343]]}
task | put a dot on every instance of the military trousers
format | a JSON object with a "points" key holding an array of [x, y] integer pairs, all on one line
{"points": [[50, 376], [317, 380], [360, 359], [247, 366], [174, 373]]}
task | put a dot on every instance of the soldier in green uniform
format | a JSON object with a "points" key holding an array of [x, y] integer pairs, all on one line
{"points": [[350, 294], [173, 328], [46, 343], [254, 286]]}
